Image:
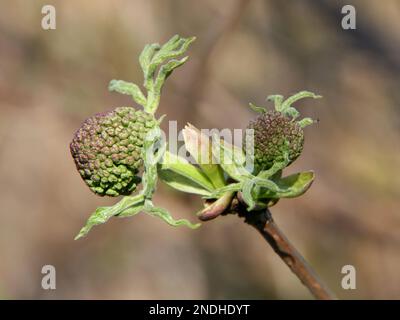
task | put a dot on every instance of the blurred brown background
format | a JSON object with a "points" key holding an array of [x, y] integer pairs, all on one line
{"points": [[51, 80]]}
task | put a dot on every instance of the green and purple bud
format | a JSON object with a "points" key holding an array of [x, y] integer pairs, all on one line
{"points": [[107, 150], [277, 132], [273, 134]]}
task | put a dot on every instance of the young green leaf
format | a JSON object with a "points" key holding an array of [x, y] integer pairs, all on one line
{"points": [[182, 183], [181, 175], [198, 145], [295, 184], [230, 158], [291, 186]]}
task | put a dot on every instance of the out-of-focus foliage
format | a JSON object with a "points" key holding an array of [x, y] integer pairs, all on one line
{"points": [[245, 50]]}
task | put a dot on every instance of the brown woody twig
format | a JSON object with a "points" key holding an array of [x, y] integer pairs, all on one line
{"points": [[264, 223], [261, 220]]}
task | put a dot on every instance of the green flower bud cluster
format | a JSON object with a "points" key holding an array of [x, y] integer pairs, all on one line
{"points": [[107, 150], [275, 133]]}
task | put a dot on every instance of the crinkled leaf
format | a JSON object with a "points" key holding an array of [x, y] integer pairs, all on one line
{"points": [[252, 188], [162, 58], [145, 59], [132, 210], [220, 191], [153, 151], [166, 216], [277, 99], [298, 96], [247, 194], [198, 145], [267, 184], [166, 70], [175, 47], [156, 85], [102, 214], [305, 122], [257, 108], [129, 88], [290, 111]]}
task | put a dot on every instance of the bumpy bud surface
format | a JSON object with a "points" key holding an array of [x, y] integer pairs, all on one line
{"points": [[271, 130], [107, 150]]}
